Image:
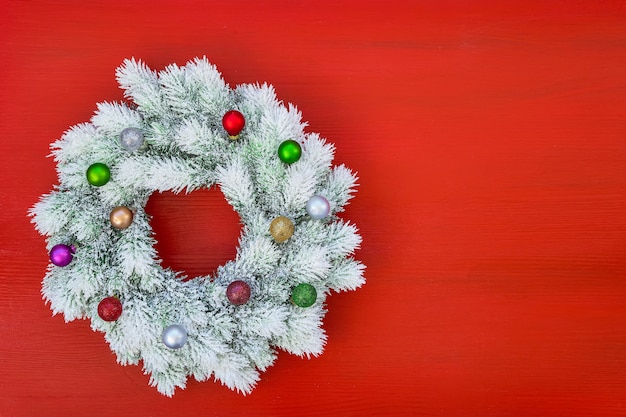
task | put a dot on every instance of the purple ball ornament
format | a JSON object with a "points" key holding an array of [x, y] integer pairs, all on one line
{"points": [[62, 255]]}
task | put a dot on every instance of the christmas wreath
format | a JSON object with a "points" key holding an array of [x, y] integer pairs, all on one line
{"points": [[184, 128]]}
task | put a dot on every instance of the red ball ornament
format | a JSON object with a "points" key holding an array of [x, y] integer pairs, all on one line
{"points": [[233, 122], [110, 309], [238, 292]]}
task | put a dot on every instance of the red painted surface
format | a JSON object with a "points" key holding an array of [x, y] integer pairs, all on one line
{"points": [[490, 139]]}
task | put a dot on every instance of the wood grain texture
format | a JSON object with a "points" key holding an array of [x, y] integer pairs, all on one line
{"points": [[490, 141]]}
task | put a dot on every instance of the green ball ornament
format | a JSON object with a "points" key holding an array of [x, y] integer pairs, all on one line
{"points": [[289, 151], [304, 295], [98, 174]]}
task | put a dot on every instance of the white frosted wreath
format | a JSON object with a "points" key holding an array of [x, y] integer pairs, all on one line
{"points": [[184, 128]]}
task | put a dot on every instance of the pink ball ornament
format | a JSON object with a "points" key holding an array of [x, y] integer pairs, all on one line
{"points": [[62, 255], [238, 292]]}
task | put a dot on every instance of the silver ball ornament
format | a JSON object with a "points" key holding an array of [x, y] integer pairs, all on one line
{"points": [[174, 336], [131, 138], [318, 207]]}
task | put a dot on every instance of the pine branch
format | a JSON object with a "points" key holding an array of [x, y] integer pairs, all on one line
{"points": [[179, 112]]}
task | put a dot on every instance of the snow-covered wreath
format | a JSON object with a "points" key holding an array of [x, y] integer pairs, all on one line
{"points": [[184, 128]]}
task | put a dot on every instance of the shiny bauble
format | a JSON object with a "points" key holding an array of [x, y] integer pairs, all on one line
{"points": [[98, 174], [281, 229], [304, 295], [238, 292], [131, 139], [174, 336], [289, 151], [62, 255], [233, 122], [121, 217], [318, 207], [110, 309]]}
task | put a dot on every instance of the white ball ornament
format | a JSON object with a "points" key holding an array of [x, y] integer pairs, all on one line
{"points": [[174, 336], [131, 139], [318, 207]]}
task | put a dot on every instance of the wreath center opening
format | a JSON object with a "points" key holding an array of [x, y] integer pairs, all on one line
{"points": [[195, 232]]}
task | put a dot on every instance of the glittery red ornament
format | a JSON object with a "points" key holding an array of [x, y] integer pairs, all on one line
{"points": [[238, 292], [233, 122], [110, 309]]}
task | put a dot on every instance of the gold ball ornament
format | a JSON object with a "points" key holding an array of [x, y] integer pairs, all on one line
{"points": [[121, 217], [281, 229]]}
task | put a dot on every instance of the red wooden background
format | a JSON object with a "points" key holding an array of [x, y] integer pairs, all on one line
{"points": [[490, 139]]}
